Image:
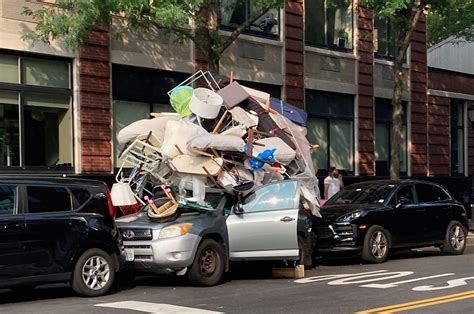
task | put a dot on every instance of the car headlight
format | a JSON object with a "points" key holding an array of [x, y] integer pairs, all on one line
{"points": [[350, 216], [175, 230]]}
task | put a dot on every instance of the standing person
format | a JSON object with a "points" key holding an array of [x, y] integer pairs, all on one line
{"points": [[332, 183]]}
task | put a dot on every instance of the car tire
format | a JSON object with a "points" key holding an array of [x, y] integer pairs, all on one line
{"points": [[94, 273], [455, 239], [376, 245], [209, 263]]}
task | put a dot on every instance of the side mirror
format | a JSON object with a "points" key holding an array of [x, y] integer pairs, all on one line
{"points": [[238, 209], [402, 201]]}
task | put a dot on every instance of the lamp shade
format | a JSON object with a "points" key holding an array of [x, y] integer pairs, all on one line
{"points": [[122, 194], [205, 103]]}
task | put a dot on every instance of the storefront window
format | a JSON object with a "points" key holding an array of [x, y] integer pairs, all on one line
{"points": [[234, 13], [383, 132], [457, 137], [9, 128], [35, 121], [331, 125], [329, 23], [386, 36]]}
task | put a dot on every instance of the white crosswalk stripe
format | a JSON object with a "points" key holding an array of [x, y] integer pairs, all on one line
{"points": [[150, 307]]}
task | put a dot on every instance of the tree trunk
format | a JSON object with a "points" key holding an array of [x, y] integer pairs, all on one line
{"points": [[404, 42], [397, 112]]}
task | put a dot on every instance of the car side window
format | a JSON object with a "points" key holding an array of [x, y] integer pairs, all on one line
{"points": [[82, 195], [406, 192], [430, 193], [276, 196], [8, 200], [44, 199]]}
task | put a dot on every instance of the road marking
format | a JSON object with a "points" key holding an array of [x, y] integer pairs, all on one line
{"points": [[395, 284], [420, 303], [155, 307], [451, 284], [378, 277]]}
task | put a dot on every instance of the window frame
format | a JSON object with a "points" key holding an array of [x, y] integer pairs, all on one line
{"points": [[16, 204], [390, 33], [453, 130], [72, 198], [388, 122], [332, 46], [331, 117], [433, 186], [250, 32], [22, 88], [269, 186]]}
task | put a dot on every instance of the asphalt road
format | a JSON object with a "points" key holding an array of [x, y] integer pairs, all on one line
{"points": [[417, 281]]}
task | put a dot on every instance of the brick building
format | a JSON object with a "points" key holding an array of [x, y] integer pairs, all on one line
{"points": [[60, 110]]}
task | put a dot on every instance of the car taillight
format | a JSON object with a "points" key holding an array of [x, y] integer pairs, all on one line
{"points": [[112, 211]]}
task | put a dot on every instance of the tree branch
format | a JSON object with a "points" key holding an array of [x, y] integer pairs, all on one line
{"points": [[402, 49], [186, 32], [236, 32]]}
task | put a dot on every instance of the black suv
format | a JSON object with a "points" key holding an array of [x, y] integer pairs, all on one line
{"points": [[58, 230], [376, 216]]}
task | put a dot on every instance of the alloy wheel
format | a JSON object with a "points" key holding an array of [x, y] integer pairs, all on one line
{"points": [[456, 237], [96, 272], [378, 244]]}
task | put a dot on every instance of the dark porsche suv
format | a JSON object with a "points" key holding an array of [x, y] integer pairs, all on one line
{"points": [[376, 216], [58, 230]]}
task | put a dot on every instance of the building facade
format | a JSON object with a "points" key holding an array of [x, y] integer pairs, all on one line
{"points": [[61, 110]]}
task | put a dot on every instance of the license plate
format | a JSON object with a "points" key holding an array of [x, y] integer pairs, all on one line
{"points": [[129, 255]]}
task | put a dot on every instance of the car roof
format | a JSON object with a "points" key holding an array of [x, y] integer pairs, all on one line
{"points": [[26, 179], [393, 182]]}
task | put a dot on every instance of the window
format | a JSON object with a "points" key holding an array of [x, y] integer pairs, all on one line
{"points": [[81, 195], [135, 95], [43, 199], [7, 200], [367, 193], [329, 23], [331, 125], [235, 12], [457, 137], [386, 36], [430, 193], [35, 112], [383, 133], [406, 193], [275, 196]]}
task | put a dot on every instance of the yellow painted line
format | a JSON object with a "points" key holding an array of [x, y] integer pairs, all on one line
{"points": [[420, 303]]}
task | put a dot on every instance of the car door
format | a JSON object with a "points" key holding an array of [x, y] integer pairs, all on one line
{"points": [[435, 206], [50, 229], [12, 228], [267, 226], [408, 220]]}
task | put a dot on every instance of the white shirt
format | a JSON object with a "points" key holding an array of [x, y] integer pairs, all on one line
{"points": [[334, 185]]}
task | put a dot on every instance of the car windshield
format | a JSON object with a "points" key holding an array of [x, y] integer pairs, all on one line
{"points": [[362, 194]]}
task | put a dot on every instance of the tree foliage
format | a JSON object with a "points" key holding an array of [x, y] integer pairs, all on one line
{"points": [[196, 20], [451, 18]]}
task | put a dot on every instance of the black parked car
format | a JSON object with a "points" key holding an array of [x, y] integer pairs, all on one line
{"points": [[374, 217], [58, 230]]}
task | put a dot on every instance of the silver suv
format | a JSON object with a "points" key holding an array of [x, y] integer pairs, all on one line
{"points": [[268, 224]]}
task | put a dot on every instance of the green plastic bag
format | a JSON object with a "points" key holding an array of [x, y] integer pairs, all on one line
{"points": [[179, 99]]}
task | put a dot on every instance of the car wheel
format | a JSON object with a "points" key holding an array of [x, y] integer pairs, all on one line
{"points": [[93, 273], [208, 266], [455, 239], [376, 245]]}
